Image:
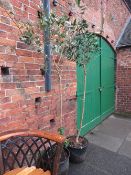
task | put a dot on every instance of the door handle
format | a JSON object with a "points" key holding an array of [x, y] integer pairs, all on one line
{"points": [[100, 89]]}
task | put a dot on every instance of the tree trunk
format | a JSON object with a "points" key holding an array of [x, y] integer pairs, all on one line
{"points": [[61, 100], [83, 104]]}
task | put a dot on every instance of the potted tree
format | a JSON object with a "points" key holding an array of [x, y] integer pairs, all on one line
{"points": [[58, 39], [80, 49]]}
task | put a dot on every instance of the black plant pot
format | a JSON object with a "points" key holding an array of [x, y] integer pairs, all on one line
{"points": [[46, 162], [78, 152]]}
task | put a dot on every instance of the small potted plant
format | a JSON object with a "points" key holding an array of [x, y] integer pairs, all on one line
{"points": [[58, 40]]}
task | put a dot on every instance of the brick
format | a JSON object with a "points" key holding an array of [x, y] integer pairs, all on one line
{"points": [[39, 60], [10, 58], [6, 79], [2, 93], [32, 90], [8, 86], [34, 5], [5, 120], [10, 50], [28, 84], [17, 125], [40, 83], [3, 34], [20, 78], [25, 2], [21, 45], [26, 59], [17, 4], [6, 27], [37, 2], [19, 66], [5, 100], [14, 35], [32, 11], [33, 72], [9, 106], [32, 66], [23, 53], [18, 72], [21, 12], [7, 42], [33, 17], [5, 20], [16, 98], [2, 49], [38, 55], [10, 92]]}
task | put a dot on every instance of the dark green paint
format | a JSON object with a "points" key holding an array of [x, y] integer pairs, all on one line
{"points": [[100, 92]]}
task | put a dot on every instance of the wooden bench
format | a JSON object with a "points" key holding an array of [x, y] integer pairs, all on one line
{"points": [[28, 152]]}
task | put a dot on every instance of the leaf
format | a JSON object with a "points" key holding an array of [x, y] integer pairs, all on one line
{"points": [[78, 2], [74, 23], [66, 143], [61, 130]]}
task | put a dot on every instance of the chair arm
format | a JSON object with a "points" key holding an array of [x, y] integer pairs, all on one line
{"points": [[43, 134]]}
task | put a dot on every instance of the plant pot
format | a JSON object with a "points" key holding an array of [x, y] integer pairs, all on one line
{"points": [[48, 164], [64, 163], [78, 152]]}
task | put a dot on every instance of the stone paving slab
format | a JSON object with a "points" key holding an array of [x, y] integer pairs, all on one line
{"points": [[125, 149], [108, 142], [115, 127], [129, 137], [100, 161], [113, 134]]}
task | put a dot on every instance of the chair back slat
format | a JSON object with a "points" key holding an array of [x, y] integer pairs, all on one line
{"points": [[28, 151], [30, 148]]}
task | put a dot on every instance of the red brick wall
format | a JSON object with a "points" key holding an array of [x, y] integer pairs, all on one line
{"points": [[123, 78], [25, 82]]}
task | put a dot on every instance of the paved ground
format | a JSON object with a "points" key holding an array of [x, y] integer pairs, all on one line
{"points": [[100, 161], [113, 134], [109, 150]]}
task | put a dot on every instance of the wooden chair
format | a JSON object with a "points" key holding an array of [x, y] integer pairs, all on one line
{"points": [[26, 148]]}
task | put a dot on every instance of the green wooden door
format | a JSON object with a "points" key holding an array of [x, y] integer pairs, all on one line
{"points": [[100, 88], [107, 79]]}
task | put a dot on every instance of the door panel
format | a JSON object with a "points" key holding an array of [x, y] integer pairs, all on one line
{"points": [[92, 103], [100, 88], [107, 79]]}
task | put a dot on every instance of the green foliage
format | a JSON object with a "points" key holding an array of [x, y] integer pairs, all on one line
{"points": [[27, 37], [71, 40], [66, 143], [82, 45], [78, 2], [61, 130]]}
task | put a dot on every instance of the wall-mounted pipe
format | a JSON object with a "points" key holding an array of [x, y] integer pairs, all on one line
{"points": [[47, 49]]}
